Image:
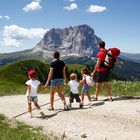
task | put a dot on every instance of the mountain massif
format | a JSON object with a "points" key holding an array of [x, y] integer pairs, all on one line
{"points": [[73, 41], [77, 45]]}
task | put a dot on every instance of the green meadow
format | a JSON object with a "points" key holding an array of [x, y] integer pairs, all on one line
{"points": [[14, 75]]}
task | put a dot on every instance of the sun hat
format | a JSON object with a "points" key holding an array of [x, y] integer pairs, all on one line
{"points": [[32, 73]]}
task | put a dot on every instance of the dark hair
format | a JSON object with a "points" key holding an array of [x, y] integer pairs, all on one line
{"points": [[102, 44], [84, 70], [56, 55]]}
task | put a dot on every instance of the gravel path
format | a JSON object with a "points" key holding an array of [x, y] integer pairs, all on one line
{"points": [[117, 120]]}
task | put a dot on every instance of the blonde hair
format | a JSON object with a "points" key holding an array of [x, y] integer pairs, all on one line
{"points": [[73, 76]]}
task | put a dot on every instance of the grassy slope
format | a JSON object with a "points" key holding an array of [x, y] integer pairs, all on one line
{"points": [[14, 75], [11, 130]]}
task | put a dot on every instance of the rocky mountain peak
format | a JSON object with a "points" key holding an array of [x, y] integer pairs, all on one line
{"points": [[77, 40]]}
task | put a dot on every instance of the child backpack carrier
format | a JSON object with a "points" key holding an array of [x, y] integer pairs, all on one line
{"points": [[110, 58], [89, 80]]}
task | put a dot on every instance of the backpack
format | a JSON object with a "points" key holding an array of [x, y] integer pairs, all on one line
{"points": [[89, 80], [110, 58]]}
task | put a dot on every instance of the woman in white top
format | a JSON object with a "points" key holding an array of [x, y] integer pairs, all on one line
{"points": [[32, 92]]}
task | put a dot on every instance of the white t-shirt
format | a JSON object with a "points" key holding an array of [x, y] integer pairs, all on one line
{"points": [[73, 86], [34, 86]]}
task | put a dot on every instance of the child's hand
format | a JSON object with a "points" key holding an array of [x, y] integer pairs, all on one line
{"points": [[45, 85], [92, 75]]}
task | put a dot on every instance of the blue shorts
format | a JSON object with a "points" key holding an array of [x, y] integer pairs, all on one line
{"points": [[57, 82], [32, 99], [85, 89]]}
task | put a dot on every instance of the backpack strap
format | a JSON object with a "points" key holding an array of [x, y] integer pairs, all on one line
{"points": [[102, 63]]}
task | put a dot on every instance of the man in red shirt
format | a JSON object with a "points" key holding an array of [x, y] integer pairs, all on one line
{"points": [[100, 73]]}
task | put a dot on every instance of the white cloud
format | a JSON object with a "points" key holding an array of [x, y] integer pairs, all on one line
{"points": [[96, 9], [4, 17], [73, 6], [71, 0], [34, 5], [13, 35]]}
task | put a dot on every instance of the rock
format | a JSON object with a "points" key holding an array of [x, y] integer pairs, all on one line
{"points": [[84, 135], [78, 41]]}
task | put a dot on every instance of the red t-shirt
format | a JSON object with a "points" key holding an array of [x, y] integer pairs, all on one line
{"points": [[101, 55]]}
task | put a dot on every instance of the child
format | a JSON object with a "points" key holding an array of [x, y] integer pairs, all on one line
{"points": [[32, 92], [74, 93], [85, 86]]}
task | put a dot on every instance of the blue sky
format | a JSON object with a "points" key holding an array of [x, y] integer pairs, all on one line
{"points": [[23, 22]]}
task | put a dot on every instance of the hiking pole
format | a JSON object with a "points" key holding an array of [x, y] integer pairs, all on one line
{"points": [[34, 109]]}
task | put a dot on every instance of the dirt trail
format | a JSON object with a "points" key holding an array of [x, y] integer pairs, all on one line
{"points": [[117, 120]]}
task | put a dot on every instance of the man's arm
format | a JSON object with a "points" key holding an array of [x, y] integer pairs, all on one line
{"points": [[96, 67]]}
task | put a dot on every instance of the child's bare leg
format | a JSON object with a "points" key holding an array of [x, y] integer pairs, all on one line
{"points": [[37, 105], [89, 97], [82, 97], [29, 107]]}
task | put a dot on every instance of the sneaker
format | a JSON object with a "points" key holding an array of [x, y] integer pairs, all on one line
{"points": [[70, 105], [81, 105], [66, 108], [42, 114], [50, 108]]}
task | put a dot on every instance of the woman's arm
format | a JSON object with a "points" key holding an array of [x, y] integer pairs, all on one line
{"points": [[49, 77], [64, 75], [96, 67]]}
